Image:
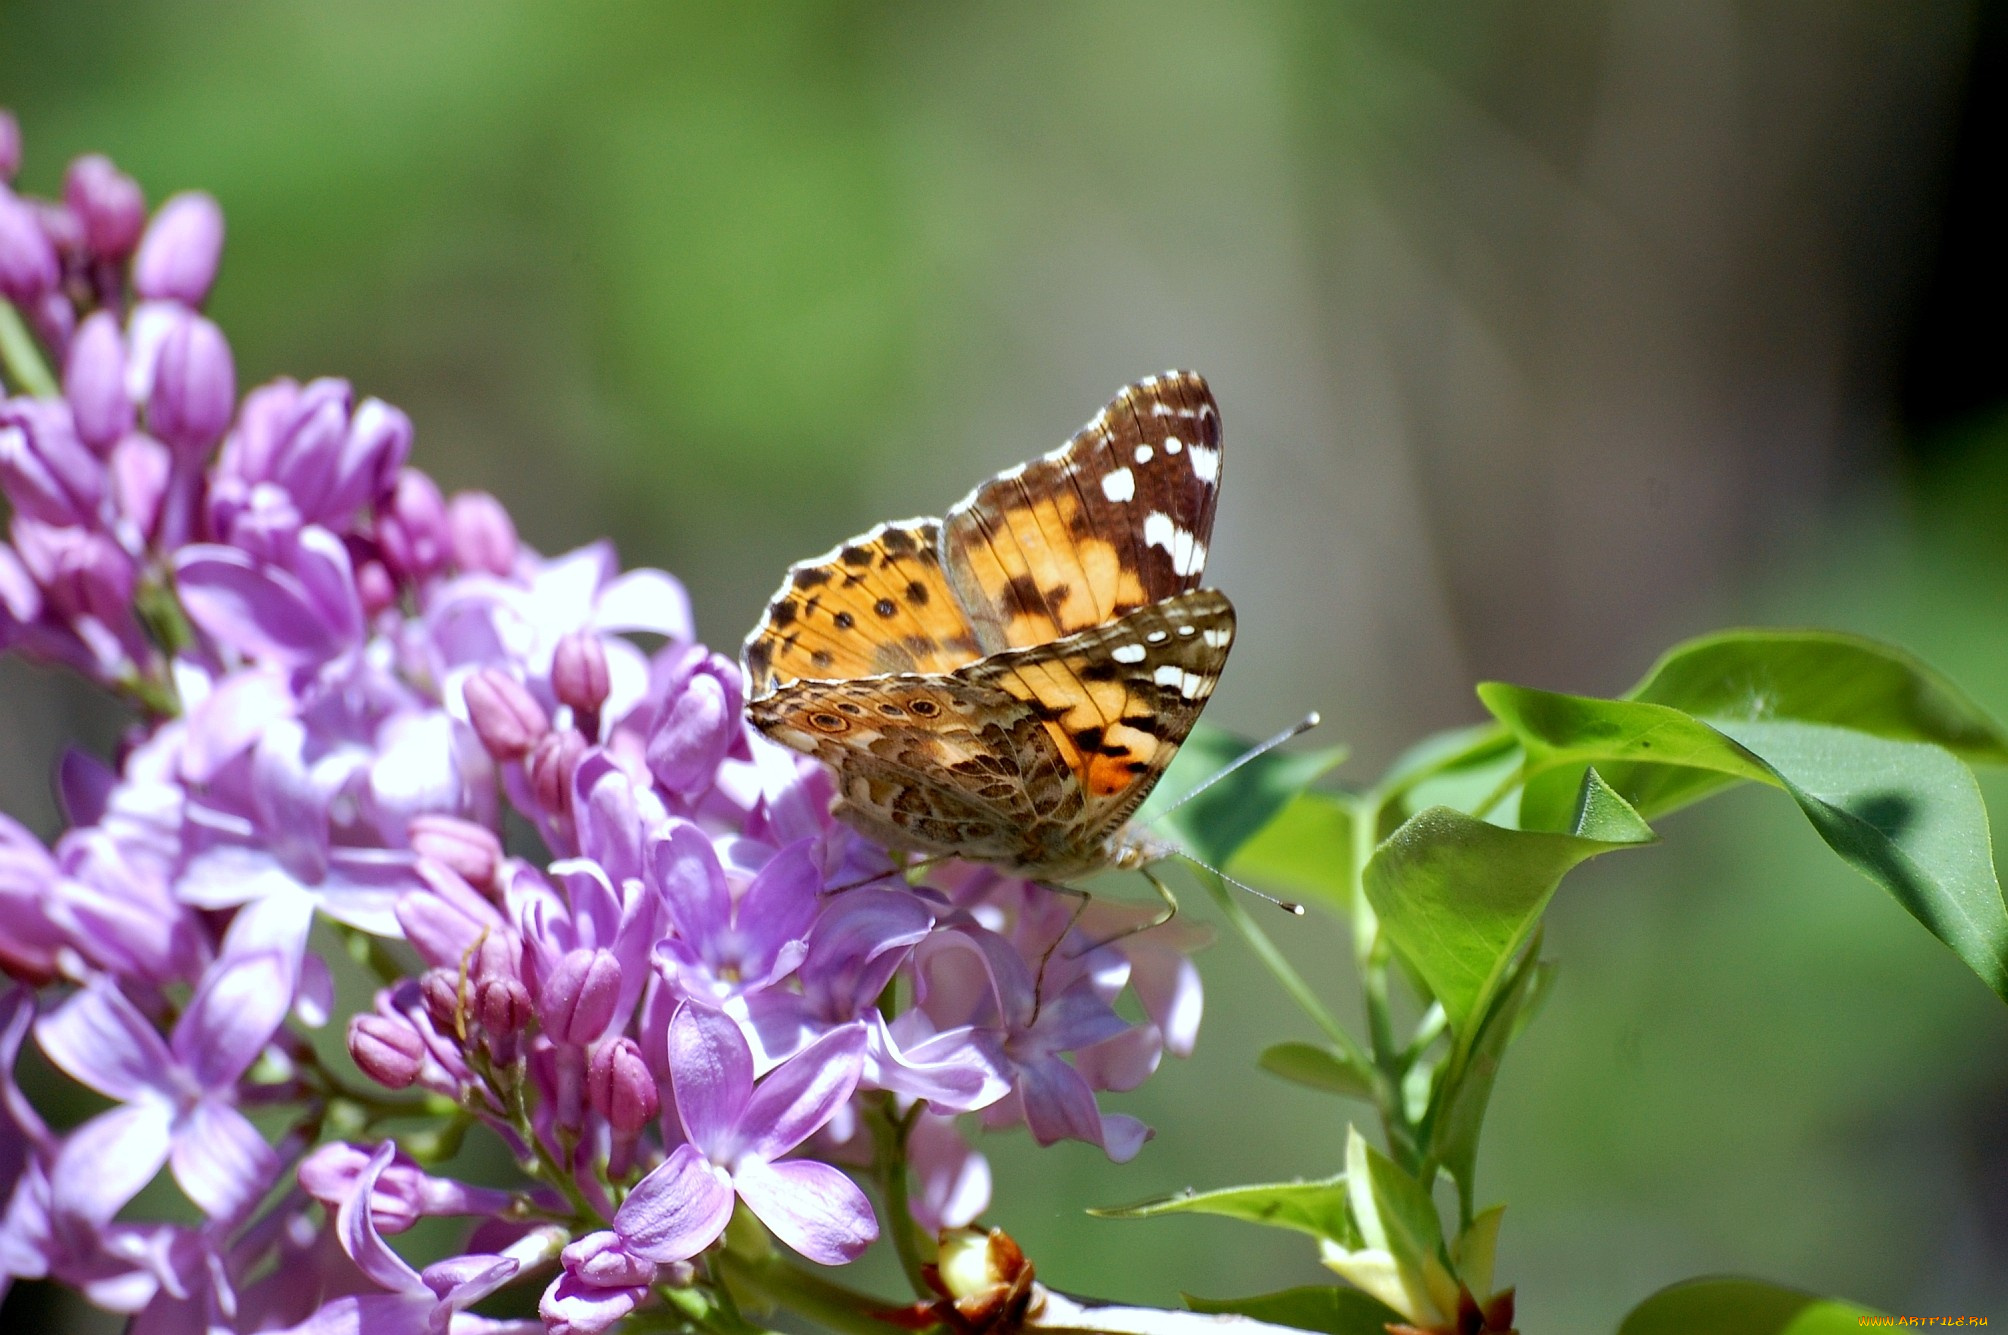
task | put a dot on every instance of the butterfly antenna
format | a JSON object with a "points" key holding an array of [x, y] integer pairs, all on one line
{"points": [[1297, 729], [1287, 905]]}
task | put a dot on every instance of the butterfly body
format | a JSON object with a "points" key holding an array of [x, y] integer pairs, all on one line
{"points": [[1006, 685]]}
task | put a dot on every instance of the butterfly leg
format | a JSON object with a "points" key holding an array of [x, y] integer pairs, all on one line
{"points": [[1039, 982], [905, 870], [1170, 911]]}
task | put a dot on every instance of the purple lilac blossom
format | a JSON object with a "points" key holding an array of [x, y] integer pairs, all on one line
{"points": [[686, 989]]}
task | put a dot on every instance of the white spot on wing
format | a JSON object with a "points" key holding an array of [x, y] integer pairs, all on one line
{"points": [[1168, 675], [1119, 485], [1217, 639], [1172, 445], [1143, 454], [1127, 653], [1188, 555], [1206, 463], [1157, 636]]}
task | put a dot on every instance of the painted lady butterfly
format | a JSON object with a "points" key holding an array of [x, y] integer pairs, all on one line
{"points": [[1007, 685]]}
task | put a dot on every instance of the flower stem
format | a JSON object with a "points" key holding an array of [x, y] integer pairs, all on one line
{"points": [[889, 1132], [774, 1280], [20, 356]]}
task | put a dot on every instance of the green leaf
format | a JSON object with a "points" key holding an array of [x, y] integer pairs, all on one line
{"points": [[1458, 897], [1306, 851], [1317, 1208], [1330, 1309], [1906, 814], [1393, 1210], [1214, 825], [1654, 756], [1814, 676], [1318, 1067], [1740, 1307]]}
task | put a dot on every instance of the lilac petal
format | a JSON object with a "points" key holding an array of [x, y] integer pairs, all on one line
{"points": [[644, 600], [363, 886], [356, 1227], [221, 1161], [98, 1037], [608, 818], [959, 1070], [1167, 984], [1122, 1062], [596, 905], [258, 611], [1058, 1103], [573, 1306], [711, 1072], [692, 883], [228, 875], [107, 1160], [241, 1001], [954, 1180], [778, 908], [1077, 1018], [323, 569], [802, 1093], [603, 1259], [677, 1211], [859, 941], [810, 1206], [779, 1024], [83, 785], [461, 1281]]}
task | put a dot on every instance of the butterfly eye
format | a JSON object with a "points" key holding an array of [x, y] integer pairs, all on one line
{"points": [[828, 722], [924, 708]]}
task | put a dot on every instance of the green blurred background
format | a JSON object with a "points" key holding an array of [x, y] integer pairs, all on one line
{"points": [[1546, 332]]}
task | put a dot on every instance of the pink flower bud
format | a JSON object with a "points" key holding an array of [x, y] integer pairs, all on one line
{"points": [[44, 469], [619, 1086], [505, 717], [499, 958], [579, 671], [469, 849], [108, 203], [178, 255], [375, 587], [550, 767], [483, 535], [388, 1051], [411, 528], [693, 736], [28, 267], [579, 996], [94, 376], [503, 1006], [10, 146], [194, 386], [445, 1004]]}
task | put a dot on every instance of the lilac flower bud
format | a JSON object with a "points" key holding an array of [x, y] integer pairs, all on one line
{"points": [[178, 255], [579, 672], [484, 537], [388, 1051], [194, 386], [375, 588], [620, 1087], [499, 958], [505, 717], [693, 736], [411, 528], [550, 766], [94, 374], [139, 471], [378, 443], [108, 203], [28, 267], [445, 1003], [44, 469], [503, 1007], [579, 997], [469, 849], [10, 146]]}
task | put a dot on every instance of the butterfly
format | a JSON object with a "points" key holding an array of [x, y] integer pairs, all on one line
{"points": [[1006, 685]]}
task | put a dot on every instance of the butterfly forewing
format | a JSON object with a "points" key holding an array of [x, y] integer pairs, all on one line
{"points": [[878, 604], [1118, 518], [1118, 700]]}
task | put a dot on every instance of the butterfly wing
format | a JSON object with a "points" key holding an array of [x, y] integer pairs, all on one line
{"points": [[1117, 701], [1116, 519], [927, 763], [878, 604]]}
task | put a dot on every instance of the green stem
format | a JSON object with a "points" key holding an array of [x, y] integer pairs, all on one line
{"points": [[889, 1132], [777, 1282], [21, 357]]}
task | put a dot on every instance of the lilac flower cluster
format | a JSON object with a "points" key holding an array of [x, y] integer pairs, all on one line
{"points": [[611, 925]]}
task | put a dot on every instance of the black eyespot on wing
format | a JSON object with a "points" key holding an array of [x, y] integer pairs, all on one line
{"points": [[782, 614], [896, 540], [886, 607], [924, 708], [844, 620], [855, 556], [821, 658], [811, 577], [916, 593]]}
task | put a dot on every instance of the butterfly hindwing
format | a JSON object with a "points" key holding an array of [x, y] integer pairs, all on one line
{"points": [[878, 604], [925, 762], [1118, 518], [1119, 700]]}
